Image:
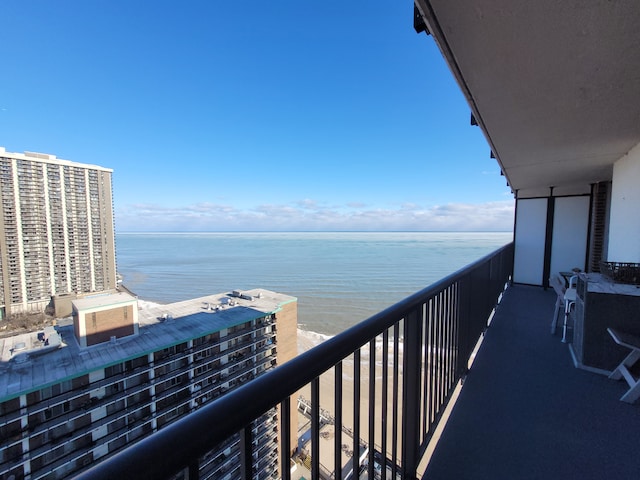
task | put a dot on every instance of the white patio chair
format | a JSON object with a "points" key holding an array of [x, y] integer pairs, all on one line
{"points": [[570, 295]]}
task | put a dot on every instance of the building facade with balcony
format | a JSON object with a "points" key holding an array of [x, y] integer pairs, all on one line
{"points": [[69, 397], [56, 230]]}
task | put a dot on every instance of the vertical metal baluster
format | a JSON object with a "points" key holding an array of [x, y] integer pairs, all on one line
{"points": [[356, 413], [445, 344], [432, 358], [441, 350], [455, 320], [394, 415], [425, 359], [194, 470], [455, 305], [338, 422], [315, 428], [285, 438], [456, 335], [385, 401], [246, 453], [436, 356], [447, 313], [451, 376], [425, 368], [372, 405], [463, 316], [445, 340]]}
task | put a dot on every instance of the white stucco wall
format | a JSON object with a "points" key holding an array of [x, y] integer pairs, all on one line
{"points": [[570, 232], [624, 229], [531, 221]]}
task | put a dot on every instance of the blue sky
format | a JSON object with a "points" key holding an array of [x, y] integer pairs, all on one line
{"points": [[250, 116]]}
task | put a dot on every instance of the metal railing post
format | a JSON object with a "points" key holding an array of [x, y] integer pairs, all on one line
{"points": [[315, 428], [285, 442], [337, 462], [246, 454], [412, 333], [355, 460]]}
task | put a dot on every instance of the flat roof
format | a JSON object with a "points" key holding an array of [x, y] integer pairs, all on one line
{"points": [[50, 158], [25, 366], [103, 300]]}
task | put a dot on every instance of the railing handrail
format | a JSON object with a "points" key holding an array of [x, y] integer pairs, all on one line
{"points": [[196, 433]]}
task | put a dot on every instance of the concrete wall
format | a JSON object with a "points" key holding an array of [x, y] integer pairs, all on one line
{"points": [[570, 233], [624, 229], [99, 324], [287, 349], [287, 332], [63, 306], [564, 250], [531, 219]]}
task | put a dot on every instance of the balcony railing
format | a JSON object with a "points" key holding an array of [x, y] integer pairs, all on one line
{"points": [[424, 344]]}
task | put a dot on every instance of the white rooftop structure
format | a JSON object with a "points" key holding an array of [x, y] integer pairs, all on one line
{"points": [[102, 300]]}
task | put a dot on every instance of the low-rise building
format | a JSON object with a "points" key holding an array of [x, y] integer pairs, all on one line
{"points": [[81, 391]]}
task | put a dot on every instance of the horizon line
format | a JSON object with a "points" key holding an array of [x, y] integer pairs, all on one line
{"points": [[308, 231]]}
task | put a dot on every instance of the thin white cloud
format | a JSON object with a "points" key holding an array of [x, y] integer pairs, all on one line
{"points": [[309, 215], [356, 205], [307, 204]]}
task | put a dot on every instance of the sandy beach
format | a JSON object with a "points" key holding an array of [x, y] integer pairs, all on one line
{"points": [[307, 340]]}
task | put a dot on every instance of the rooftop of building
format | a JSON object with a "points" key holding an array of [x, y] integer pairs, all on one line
{"points": [[28, 364], [103, 300], [49, 158]]}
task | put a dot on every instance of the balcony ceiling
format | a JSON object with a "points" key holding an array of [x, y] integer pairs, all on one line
{"points": [[555, 85]]}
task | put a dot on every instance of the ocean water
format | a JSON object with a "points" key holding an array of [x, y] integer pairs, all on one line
{"points": [[339, 279]]}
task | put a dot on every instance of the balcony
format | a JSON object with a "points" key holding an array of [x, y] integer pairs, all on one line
{"points": [[415, 353], [523, 411]]}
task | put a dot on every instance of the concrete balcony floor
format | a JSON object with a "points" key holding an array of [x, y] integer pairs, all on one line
{"points": [[525, 411]]}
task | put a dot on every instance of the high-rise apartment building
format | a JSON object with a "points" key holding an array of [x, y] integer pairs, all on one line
{"points": [[56, 230], [78, 392]]}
